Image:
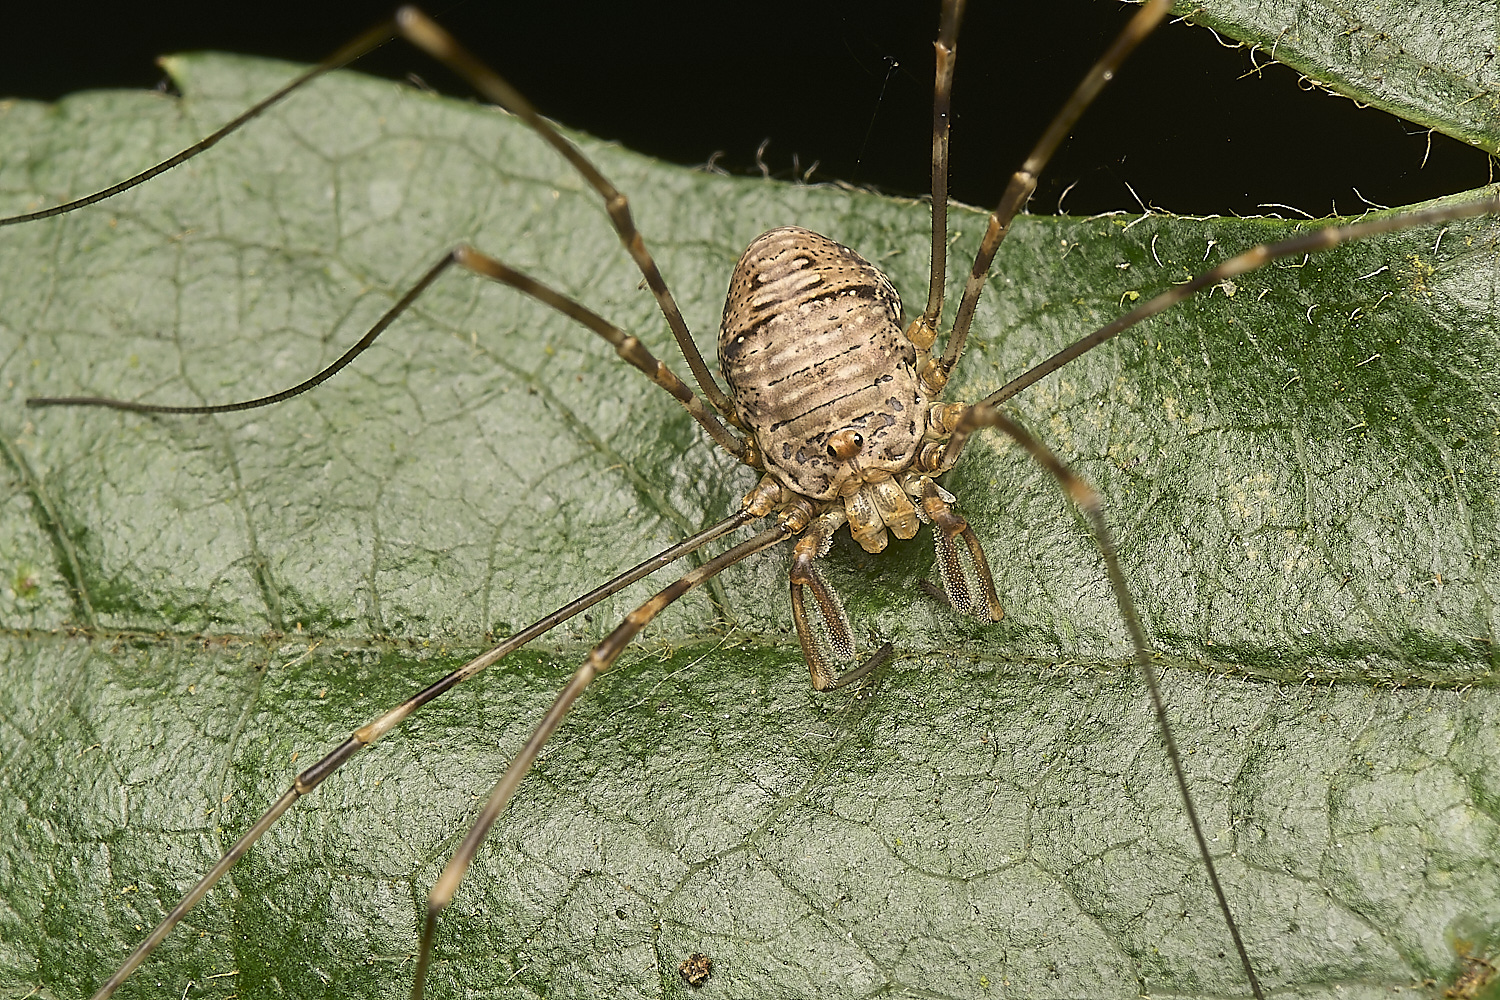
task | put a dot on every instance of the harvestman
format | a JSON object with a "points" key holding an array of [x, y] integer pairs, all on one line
{"points": [[825, 638]]}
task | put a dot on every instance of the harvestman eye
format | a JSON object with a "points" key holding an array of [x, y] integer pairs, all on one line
{"points": [[814, 341]]}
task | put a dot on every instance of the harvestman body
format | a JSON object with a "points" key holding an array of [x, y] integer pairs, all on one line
{"points": [[840, 408], [820, 369]]}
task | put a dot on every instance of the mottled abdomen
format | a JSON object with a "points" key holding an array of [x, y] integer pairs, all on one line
{"points": [[811, 345]]}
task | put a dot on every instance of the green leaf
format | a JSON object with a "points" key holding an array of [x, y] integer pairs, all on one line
{"points": [[1301, 468], [1429, 63]]}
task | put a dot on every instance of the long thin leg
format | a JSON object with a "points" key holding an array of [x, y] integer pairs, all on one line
{"points": [[425, 33], [599, 660], [373, 730], [1088, 500], [924, 331], [1257, 256], [404, 303], [1023, 181], [984, 414], [378, 35], [628, 347]]}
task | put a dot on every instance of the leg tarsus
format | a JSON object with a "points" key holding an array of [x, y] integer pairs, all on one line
{"points": [[878, 659]]}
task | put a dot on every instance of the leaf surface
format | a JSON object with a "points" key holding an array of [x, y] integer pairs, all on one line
{"points": [[1301, 468]]}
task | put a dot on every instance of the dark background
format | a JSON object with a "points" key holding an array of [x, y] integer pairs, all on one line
{"points": [[843, 82]]}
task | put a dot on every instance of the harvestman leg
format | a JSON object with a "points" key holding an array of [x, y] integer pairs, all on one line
{"points": [[373, 730], [1256, 257], [985, 414], [1087, 499], [964, 569], [1022, 182], [791, 520], [423, 32], [600, 659], [625, 345], [791, 517], [376, 36]]}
